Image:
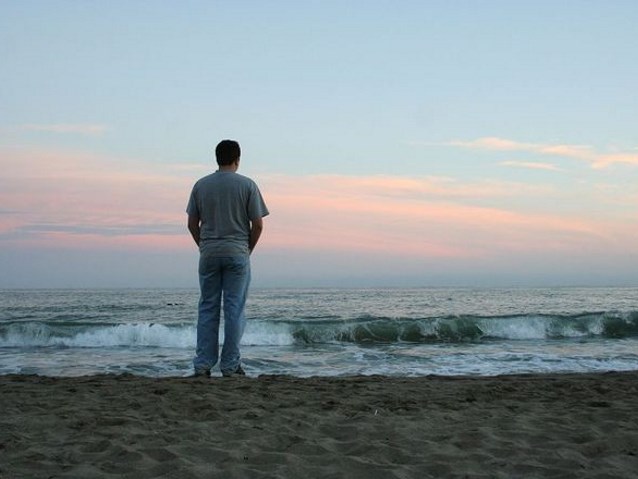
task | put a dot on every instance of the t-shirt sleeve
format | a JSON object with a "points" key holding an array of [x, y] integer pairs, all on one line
{"points": [[192, 208], [256, 205]]}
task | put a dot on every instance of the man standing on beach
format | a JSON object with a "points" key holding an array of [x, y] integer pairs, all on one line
{"points": [[225, 214]]}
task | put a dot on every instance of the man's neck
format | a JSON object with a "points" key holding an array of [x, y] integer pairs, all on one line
{"points": [[228, 168]]}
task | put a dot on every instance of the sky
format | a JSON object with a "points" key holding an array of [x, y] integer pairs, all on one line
{"points": [[396, 143]]}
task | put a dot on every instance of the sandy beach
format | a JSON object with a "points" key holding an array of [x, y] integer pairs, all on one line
{"points": [[525, 426]]}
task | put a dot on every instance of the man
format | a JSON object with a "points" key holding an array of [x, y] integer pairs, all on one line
{"points": [[225, 214]]}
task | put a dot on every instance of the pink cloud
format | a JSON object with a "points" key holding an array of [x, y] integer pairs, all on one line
{"points": [[493, 143], [88, 202], [54, 195], [65, 128], [317, 212], [586, 153], [604, 160], [531, 165], [420, 187]]}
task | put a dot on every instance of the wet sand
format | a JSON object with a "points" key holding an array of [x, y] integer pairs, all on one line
{"points": [[559, 426]]}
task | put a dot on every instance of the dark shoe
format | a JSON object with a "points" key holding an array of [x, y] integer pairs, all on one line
{"points": [[237, 372], [203, 373]]}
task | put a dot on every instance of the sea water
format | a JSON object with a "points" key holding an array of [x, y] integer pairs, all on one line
{"points": [[326, 332]]}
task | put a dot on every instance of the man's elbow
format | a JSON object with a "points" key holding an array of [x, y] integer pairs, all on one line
{"points": [[193, 223], [257, 225]]}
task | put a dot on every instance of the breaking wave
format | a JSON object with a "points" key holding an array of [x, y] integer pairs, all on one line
{"points": [[363, 330]]}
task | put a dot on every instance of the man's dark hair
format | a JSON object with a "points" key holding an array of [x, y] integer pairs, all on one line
{"points": [[227, 152]]}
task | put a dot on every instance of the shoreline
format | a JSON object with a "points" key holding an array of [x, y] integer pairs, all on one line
{"points": [[525, 425]]}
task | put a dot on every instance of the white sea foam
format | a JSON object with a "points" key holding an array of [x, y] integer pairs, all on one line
{"points": [[513, 328], [327, 332], [367, 330], [153, 335], [263, 333]]}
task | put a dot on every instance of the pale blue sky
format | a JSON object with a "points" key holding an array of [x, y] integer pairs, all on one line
{"points": [[334, 83], [351, 88]]}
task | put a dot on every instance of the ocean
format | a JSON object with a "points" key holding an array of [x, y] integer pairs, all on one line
{"points": [[326, 332]]}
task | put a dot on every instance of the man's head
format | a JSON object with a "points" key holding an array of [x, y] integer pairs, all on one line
{"points": [[227, 152]]}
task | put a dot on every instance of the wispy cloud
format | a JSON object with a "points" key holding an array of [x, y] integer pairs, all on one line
{"points": [[67, 128], [531, 165], [112, 230], [74, 199], [422, 187], [90, 202], [379, 215], [596, 159]]}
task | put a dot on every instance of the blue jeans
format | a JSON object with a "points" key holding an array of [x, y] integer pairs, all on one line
{"points": [[227, 279]]}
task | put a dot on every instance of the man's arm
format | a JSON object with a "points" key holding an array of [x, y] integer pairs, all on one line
{"points": [[256, 227], [193, 227]]}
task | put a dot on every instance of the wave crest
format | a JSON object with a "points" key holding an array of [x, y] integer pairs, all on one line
{"points": [[364, 330]]}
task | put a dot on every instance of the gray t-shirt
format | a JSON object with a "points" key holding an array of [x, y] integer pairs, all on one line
{"points": [[225, 203]]}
